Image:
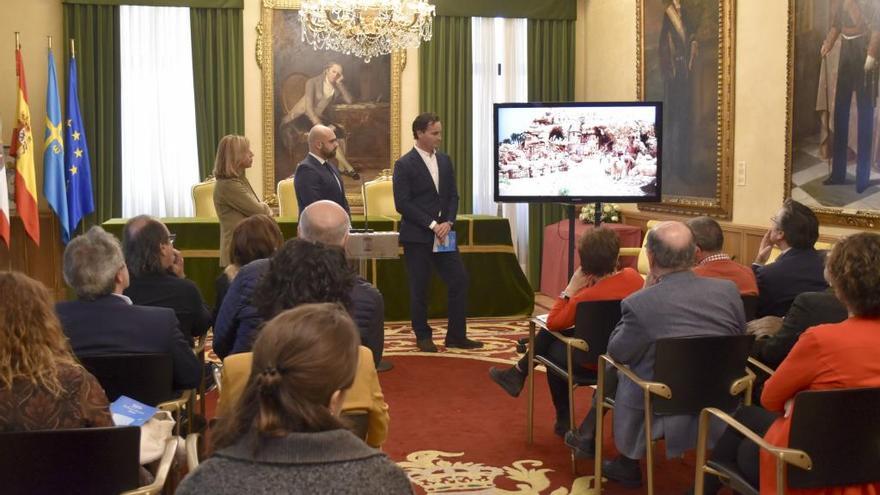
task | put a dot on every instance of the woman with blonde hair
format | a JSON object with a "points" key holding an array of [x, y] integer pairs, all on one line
{"points": [[284, 435], [42, 387], [234, 198]]}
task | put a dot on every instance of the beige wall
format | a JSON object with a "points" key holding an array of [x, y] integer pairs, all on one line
{"points": [[35, 20]]}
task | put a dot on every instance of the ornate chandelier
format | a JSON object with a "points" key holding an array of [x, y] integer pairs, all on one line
{"points": [[365, 28]]}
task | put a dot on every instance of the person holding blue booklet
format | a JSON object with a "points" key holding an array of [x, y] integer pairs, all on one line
{"points": [[426, 197]]}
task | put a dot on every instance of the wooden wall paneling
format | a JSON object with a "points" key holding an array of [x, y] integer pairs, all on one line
{"points": [[42, 263]]}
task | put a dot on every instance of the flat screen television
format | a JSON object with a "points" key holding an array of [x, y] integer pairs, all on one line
{"points": [[578, 152]]}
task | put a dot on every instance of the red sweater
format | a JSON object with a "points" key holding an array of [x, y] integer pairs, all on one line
{"points": [[615, 287], [739, 274]]}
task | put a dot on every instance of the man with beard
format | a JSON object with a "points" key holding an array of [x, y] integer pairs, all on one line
{"points": [[316, 178]]}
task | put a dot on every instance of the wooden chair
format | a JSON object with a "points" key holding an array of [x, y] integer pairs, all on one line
{"points": [[690, 374], [92, 461], [203, 199], [750, 306], [594, 322], [379, 197], [832, 443], [287, 205], [641, 252]]}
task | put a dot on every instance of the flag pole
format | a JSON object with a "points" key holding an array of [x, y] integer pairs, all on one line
{"points": [[50, 42], [17, 40], [72, 48]]}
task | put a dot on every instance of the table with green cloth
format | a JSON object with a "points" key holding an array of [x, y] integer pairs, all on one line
{"points": [[498, 286]]}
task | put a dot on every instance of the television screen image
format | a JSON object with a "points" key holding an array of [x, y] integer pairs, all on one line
{"points": [[577, 152]]}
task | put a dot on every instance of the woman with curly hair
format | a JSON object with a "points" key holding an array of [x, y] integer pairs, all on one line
{"points": [[285, 435], [836, 355], [42, 387]]}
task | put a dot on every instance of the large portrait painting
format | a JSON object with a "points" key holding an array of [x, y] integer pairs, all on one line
{"points": [[302, 87], [685, 60], [833, 126]]}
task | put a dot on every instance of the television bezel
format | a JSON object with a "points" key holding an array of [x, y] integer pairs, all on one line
{"points": [[658, 131]]}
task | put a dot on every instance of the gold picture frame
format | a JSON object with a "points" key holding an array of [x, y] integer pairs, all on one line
{"points": [[808, 141], [716, 183], [265, 56]]}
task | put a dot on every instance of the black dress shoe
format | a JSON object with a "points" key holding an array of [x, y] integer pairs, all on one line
{"points": [[426, 345], [625, 471], [384, 366], [584, 448], [511, 379], [464, 343]]}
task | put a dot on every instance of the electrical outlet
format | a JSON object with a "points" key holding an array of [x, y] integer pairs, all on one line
{"points": [[741, 173]]}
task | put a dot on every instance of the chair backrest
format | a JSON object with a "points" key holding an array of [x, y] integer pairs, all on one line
{"points": [[292, 89], [819, 246], [643, 266], [83, 460], [203, 199], [700, 371], [840, 432], [750, 306], [358, 422], [593, 322], [379, 197], [286, 194], [147, 378]]}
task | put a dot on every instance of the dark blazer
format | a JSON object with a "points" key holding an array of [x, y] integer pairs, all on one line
{"points": [[169, 291], [418, 201], [109, 325], [793, 272], [808, 310], [314, 182]]}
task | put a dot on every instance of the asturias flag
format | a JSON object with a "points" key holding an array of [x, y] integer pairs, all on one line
{"points": [[77, 166], [53, 154], [22, 148]]}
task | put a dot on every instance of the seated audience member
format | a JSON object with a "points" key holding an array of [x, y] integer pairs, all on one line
{"points": [[285, 435], [254, 238], [839, 355], [712, 262], [238, 320], [808, 310], [597, 279], [674, 303], [42, 387], [307, 272], [794, 231], [104, 321], [157, 277]]}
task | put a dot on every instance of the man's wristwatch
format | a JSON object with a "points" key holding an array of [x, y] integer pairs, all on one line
{"points": [[564, 295]]}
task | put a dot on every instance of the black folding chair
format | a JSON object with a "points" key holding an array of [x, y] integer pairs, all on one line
{"points": [[594, 322], [92, 461], [690, 374], [834, 440], [750, 306]]}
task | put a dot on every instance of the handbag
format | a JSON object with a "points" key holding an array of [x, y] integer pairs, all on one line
{"points": [[154, 434]]}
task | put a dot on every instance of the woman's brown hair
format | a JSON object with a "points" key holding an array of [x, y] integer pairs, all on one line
{"points": [[598, 250], [231, 152], [254, 238], [301, 357], [854, 271], [32, 344]]}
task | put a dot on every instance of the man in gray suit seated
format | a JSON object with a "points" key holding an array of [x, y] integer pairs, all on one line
{"points": [[674, 303]]}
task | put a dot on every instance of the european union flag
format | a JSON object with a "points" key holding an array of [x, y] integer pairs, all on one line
{"points": [[54, 181], [77, 166]]}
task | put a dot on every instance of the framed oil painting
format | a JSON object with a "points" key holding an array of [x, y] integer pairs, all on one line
{"points": [[685, 59], [833, 126], [302, 87]]}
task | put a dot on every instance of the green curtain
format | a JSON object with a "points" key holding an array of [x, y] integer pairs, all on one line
{"points": [[95, 29], [445, 88], [218, 78], [550, 78]]}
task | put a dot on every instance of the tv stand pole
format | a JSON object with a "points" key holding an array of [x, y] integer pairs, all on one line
{"points": [[597, 215], [571, 234]]}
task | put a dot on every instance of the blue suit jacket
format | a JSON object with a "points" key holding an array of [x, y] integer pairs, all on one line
{"points": [[418, 201], [793, 272], [109, 325], [314, 182]]}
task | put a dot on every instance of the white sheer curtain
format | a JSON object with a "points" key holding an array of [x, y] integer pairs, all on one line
{"points": [[499, 76], [159, 155]]}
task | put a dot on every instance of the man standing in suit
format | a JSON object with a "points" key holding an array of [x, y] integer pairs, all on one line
{"points": [[800, 267], [674, 303], [103, 321], [426, 197], [315, 177]]}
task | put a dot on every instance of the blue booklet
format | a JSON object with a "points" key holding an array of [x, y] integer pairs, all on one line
{"points": [[129, 412], [448, 245]]}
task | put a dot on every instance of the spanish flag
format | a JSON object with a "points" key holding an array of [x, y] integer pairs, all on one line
{"points": [[22, 148]]}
